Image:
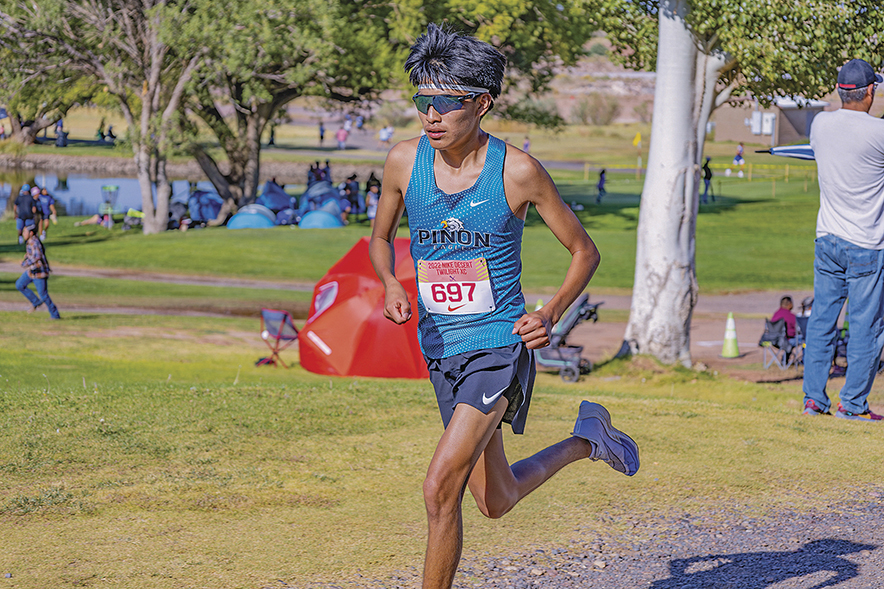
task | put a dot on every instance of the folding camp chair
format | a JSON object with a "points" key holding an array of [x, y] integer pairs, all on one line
{"points": [[279, 332], [776, 348]]}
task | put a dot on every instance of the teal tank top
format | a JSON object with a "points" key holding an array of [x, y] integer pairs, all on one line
{"points": [[467, 252]]}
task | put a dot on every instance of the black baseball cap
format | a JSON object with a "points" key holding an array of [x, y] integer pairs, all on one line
{"points": [[857, 73]]}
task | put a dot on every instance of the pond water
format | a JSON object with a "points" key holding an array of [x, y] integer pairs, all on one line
{"points": [[83, 194]]}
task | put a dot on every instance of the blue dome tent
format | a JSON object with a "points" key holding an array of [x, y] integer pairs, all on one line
{"points": [[320, 219], [253, 216]]}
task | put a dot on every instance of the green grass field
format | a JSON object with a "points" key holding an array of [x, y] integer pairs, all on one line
{"points": [[151, 452]]}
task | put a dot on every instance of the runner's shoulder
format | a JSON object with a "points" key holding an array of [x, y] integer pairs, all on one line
{"points": [[403, 153], [521, 168]]}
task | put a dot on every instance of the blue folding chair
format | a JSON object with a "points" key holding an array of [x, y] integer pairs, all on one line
{"points": [[279, 332]]}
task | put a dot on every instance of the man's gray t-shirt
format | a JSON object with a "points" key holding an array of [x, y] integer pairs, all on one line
{"points": [[849, 150]]}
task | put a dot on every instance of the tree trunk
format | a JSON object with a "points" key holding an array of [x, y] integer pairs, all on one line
{"points": [[665, 287], [255, 124]]}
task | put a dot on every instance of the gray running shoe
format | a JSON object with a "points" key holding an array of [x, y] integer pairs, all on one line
{"points": [[608, 443]]}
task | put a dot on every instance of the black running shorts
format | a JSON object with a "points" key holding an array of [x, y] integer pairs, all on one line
{"points": [[479, 378]]}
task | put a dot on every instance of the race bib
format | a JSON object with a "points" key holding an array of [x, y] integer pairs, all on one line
{"points": [[455, 287]]}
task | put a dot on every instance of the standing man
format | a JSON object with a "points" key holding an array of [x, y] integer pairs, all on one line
{"points": [[467, 194], [47, 206], [25, 209], [341, 137], [37, 271], [707, 180], [849, 254]]}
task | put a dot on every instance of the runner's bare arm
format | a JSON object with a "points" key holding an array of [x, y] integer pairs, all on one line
{"points": [[527, 182], [391, 205]]}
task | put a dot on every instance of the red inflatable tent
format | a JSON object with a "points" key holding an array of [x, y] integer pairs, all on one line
{"points": [[347, 334]]}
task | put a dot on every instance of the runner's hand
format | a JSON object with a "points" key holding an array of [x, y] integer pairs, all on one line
{"points": [[396, 306], [534, 329]]}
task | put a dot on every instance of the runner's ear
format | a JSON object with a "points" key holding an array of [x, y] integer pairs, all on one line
{"points": [[486, 103]]}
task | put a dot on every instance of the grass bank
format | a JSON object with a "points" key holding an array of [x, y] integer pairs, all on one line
{"points": [[757, 235]]}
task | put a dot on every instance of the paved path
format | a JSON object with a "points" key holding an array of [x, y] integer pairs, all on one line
{"points": [[58, 270]]}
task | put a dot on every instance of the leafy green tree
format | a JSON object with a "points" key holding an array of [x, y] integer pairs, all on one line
{"points": [[37, 93], [121, 45], [704, 52], [260, 57]]}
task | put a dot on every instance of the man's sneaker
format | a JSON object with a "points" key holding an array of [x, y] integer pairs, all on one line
{"points": [[867, 416], [608, 443], [811, 408]]}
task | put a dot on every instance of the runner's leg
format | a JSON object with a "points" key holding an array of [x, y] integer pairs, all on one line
{"points": [[460, 447], [497, 486]]}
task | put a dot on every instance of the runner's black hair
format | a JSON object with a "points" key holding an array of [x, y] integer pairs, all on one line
{"points": [[443, 56]]}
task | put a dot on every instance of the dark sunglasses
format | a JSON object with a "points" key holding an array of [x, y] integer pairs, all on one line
{"points": [[442, 103]]}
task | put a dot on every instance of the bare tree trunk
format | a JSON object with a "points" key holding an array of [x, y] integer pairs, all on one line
{"points": [[255, 124], [665, 287], [27, 135]]}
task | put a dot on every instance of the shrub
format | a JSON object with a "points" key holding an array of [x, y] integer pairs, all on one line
{"points": [[596, 109]]}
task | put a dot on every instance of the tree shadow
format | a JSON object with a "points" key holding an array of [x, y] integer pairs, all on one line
{"points": [[820, 561], [625, 205]]}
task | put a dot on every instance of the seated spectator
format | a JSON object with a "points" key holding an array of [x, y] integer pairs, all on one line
{"points": [[345, 201], [785, 313]]}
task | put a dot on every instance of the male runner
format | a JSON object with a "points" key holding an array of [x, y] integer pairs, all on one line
{"points": [[467, 195]]}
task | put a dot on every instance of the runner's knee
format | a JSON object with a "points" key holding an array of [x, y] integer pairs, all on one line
{"points": [[441, 493]]}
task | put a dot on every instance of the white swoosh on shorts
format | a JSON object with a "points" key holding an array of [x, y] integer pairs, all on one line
{"points": [[475, 204], [488, 400]]}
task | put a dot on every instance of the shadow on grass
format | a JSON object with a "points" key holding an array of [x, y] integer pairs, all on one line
{"points": [[820, 560], [624, 205]]}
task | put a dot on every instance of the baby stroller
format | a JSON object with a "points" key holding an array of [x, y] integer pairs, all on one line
{"points": [[559, 355]]}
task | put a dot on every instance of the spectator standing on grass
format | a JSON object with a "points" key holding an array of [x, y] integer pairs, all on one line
{"points": [[738, 159], [38, 210], [849, 249], [468, 190], [526, 145], [707, 180], [37, 271], [341, 137], [25, 210], [385, 135], [600, 187], [321, 133]]}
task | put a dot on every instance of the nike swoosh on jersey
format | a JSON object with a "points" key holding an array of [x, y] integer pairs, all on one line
{"points": [[488, 400], [475, 204], [452, 309]]}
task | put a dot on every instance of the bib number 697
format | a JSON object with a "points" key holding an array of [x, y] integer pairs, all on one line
{"points": [[453, 292]]}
